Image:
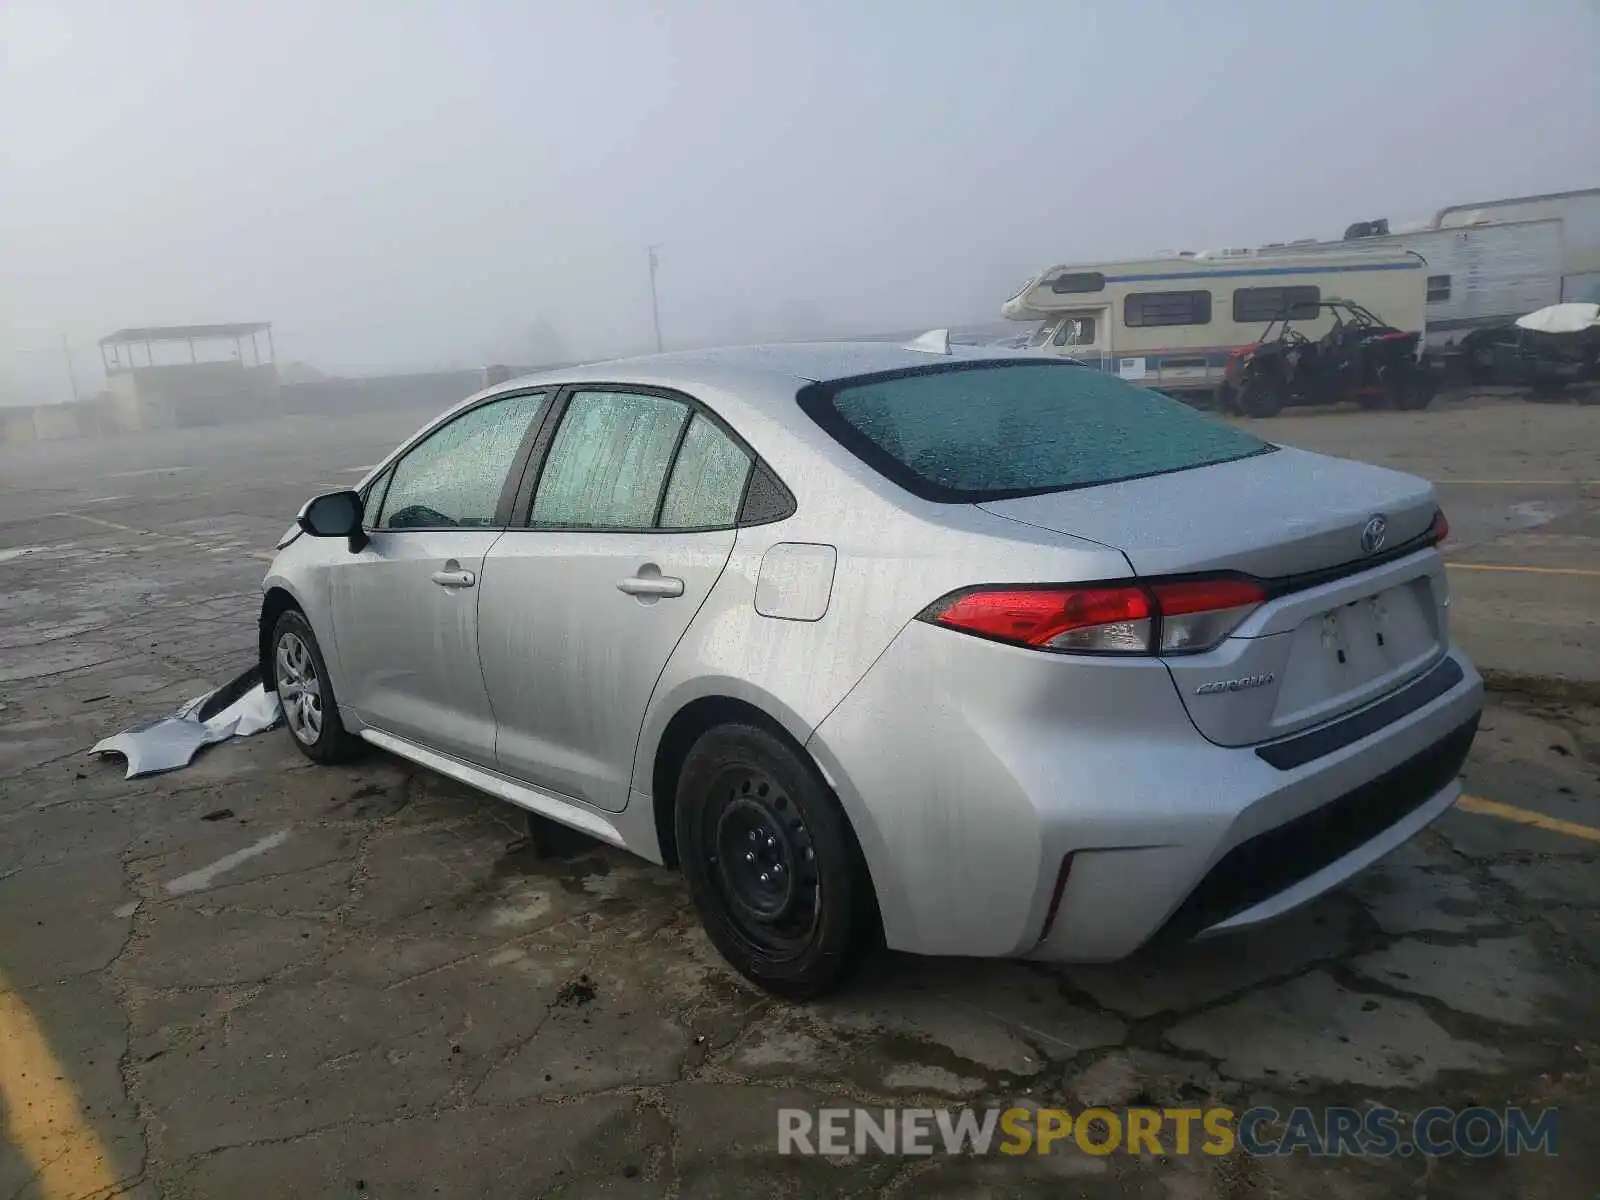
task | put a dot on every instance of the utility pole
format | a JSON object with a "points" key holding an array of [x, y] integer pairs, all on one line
{"points": [[72, 377], [655, 308]]}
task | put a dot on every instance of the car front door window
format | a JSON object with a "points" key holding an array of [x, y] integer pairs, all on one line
{"points": [[453, 478]]}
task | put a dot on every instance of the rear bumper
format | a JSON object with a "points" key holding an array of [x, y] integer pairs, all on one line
{"points": [[972, 772], [1273, 872]]}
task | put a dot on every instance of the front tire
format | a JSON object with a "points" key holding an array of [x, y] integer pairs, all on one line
{"points": [[1260, 398], [305, 693], [772, 864]]}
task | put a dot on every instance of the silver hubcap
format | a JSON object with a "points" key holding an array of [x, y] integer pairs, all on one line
{"points": [[299, 689]]}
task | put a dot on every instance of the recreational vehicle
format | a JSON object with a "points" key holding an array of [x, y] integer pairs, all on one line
{"points": [[1170, 323]]}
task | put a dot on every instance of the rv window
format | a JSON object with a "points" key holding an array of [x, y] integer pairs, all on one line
{"points": [[1167, 308], [1083, 281], [1270, 303], [1075, 331], [1438, 288]]}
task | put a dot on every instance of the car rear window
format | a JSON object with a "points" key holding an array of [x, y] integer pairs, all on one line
{"points": [[964, 432]]}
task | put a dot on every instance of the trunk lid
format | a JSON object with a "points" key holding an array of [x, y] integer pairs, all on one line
{"points": [[1271, 515], [1336, 636]]}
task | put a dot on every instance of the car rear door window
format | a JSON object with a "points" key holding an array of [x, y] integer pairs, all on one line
{"points": [[991, 430], [454, 476], [708, 479], [609, 461]]}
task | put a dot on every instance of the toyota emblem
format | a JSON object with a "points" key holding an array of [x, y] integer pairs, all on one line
{"points": [[1372, 536]]}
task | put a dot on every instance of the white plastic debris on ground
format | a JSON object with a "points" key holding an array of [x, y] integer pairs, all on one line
{"points": [[239, 708]]}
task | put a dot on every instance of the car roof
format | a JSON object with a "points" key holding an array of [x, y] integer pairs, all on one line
{"points": [[786, 364], [752, 387]]}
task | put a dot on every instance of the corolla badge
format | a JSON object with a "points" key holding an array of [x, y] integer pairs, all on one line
{"points": [[1234, 685], [1372, 536]]}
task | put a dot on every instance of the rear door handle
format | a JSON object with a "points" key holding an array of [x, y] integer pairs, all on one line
{"points": [[651, 585], [454, 579]]}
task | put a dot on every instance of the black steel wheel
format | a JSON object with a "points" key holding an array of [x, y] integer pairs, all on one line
{"points": [[772, 864]]}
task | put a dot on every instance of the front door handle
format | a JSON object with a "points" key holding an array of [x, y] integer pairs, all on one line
{"points": [[651, 585], [454, 578]]}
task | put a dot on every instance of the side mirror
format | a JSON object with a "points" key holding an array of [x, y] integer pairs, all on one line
{"points": [[334, 514]]}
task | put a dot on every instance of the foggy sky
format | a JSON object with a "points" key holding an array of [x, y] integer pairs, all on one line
{"points": [[400, 185]]}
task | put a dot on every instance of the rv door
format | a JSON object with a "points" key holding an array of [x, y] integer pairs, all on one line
{"points": [[1083, 334]]}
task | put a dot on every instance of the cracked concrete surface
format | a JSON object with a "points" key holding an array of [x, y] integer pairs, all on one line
{"points": [[399, 998]]}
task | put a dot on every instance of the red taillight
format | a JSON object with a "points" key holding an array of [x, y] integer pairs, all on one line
{"points": [[1171, 617], [1441, 527], [1108, 619]]}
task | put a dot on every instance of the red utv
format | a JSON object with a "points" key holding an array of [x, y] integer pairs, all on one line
{"points": [[1360, 359]]}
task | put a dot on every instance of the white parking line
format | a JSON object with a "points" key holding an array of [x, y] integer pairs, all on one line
{"points": [[196, 881]]}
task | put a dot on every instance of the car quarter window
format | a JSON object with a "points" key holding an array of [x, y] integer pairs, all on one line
{"points": [[454, 476], [609, 461], [708, 479]]}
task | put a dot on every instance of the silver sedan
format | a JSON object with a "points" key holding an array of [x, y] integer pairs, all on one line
{"points": [[958, 650]]}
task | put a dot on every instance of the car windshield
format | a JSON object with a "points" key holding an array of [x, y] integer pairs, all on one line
{"points": [[964, 433]]}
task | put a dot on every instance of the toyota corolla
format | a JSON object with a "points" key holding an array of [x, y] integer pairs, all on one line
{"points": [[959, 650]]}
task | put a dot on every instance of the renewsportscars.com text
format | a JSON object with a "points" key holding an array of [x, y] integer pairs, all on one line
{"points": [[1437, 1131]]}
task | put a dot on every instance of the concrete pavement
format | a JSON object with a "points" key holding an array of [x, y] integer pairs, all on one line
{"points": [[387, 993]]}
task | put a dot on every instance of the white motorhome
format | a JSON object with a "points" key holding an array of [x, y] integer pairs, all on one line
{"points": [[1170, 323]]}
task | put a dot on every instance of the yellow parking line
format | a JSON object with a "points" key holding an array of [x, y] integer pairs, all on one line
{"points": [[43, 1114], [1460, 566], [1523, 816]]}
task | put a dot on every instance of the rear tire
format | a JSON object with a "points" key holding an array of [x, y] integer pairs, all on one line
{"points": [[772, 864], [1481, 365], [1418, 393], [305, 693]]}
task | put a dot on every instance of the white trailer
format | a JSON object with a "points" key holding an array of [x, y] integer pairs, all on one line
{"points": [[1477, 274], [1579, 214]]}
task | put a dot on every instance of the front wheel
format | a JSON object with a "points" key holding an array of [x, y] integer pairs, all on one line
{"points": [[772, 864], [306, 694], [1260, 397]]}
